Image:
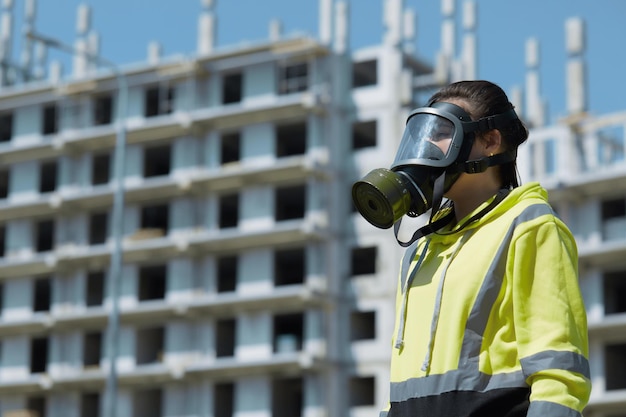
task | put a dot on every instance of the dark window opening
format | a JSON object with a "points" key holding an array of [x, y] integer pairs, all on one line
{"points": [[226, 331], [98, 227], [6, 127], [615, 366], [50, 120], [92, 349], [287, 397], [291, 139], [362, 325], [293, 78], [288, 333], [103, 110], [613, 208], [156, 161], [615, 292], [148, 403], [4, 183], [229, 211], [364, 134], [101, 169], [362, 391], [48, 177], [90, 404], [95, 288], [227, 273], [225, 407], [290, 202], [42, 294], [230, 148], [150, 344], [152, 282], [232, 88], [364, 73], [155, 217], [36, 406], [363, 261], [2, 240], [38, 355], [289, 266], [1, 302], [45, 235], [158, 101]]}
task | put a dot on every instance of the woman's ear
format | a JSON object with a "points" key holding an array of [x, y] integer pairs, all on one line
{"points": [[492, 141]]}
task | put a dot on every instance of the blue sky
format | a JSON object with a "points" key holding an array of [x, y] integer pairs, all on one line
{"points": [[127, 26]]}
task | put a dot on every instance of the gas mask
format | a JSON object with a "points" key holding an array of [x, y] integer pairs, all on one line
{"points": [[433, 153]]}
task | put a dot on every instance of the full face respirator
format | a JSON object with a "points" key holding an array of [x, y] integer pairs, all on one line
{"points": [[433, 153]]}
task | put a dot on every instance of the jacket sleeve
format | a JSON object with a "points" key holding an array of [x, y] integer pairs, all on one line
{"points": [[550, 318]]}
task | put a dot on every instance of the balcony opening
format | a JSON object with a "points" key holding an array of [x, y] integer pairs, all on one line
{"points": [[362, 391], [232, 88], [226, 331], [3, 233], [364, 134], [6, 127], [364, 73], [36, 407], [42, 294], [615, 366], [50, 120], [150, 344], [158, 101], [101, 169], [156, 219], [287, 397], [293, 78], [157, 161], [229, 211], [4, 183], [363, 261], [45, 235], [38, 355], [614, 219], [1, 304], [95, 288], [90, 404], [92, 349], [148, 403], [224, 399], [227, 273], [103, 110], [289, 266], [291, 139], [290, 202], [152, 282], [288, 332], [48, 177], [615, 292], [230, 148], [362, 325], [98, 228]]}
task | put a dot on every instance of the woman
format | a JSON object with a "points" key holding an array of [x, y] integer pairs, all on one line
{"points": [[490, 318]]}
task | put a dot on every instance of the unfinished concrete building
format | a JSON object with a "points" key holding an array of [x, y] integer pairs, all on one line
{"points": [[249, 285]]}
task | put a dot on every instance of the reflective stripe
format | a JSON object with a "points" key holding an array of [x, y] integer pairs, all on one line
{"points": [[383, 414], [468, 377], [457, 380], [546, 408], [555, 359]]}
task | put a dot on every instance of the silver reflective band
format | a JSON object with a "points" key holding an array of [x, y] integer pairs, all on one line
{"points": [[545, 408], [554, 359]]}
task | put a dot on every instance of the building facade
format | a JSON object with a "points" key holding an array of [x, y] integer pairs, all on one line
{"points": [[249, 285]]}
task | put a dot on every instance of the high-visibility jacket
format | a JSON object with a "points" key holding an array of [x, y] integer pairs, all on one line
{"points": [[490, 320]]}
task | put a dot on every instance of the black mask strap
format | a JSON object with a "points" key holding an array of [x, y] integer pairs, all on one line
{"points": [[431, 227]]}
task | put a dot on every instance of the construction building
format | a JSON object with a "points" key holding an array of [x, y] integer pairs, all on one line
{"points": [[249, 286]]}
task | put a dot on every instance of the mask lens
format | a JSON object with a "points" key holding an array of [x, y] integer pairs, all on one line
{"points": [[382, 197], [426, 136]]}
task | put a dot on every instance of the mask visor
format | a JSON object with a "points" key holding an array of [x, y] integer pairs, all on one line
{"points": [[429, 139]]}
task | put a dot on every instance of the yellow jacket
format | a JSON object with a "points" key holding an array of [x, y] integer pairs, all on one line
{"points": [[490, 319]]}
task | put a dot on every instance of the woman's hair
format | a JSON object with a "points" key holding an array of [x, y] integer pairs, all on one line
{"points": [[487, 99]]}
